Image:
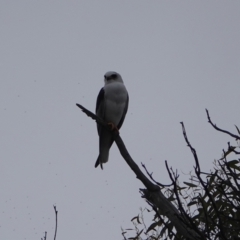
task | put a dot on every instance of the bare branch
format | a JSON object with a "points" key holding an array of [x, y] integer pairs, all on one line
{"points": [[45, 236], [139, 174], [151, 177], [121, 146], [93, 116], [152, 193], [56, 212], [219, 129]]}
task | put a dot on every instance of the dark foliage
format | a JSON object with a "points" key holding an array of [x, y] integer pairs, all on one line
{"points": [[209, 203]]}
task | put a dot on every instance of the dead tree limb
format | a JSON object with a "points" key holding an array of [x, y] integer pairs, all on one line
{"points": [[153, 193], [56, 212], [221, 130]]}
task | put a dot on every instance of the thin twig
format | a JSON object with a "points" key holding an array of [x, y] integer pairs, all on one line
{"points": [[151, 177], [56, 212], [45, 236], [219, 129]]}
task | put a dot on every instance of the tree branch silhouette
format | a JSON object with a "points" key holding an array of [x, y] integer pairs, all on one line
{"points": [[152, 193], [56, 212], [45, 236], [221, 130]]}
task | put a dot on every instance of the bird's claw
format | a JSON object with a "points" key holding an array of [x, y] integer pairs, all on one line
{"points": [[113, 127]]}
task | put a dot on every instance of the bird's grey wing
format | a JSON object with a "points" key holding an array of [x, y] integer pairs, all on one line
{"points": [[100, 107], [105, 136], [124, 113]]}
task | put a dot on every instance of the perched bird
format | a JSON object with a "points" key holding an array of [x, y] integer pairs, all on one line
{"points": [[112, 106]]}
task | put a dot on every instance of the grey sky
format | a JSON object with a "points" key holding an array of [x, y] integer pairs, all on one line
{"points": [[176, 59]]}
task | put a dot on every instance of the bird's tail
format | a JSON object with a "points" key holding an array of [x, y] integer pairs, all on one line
{"points": [[102, 158], [105, 143]]}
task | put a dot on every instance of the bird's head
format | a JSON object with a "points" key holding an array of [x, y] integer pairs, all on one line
{"points": [[112, 76]]}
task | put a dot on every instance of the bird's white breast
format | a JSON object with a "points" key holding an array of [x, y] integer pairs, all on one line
{"points": [[115, 100]]}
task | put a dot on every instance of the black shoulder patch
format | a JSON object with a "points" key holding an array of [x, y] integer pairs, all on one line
{"points": [[99, 99]]}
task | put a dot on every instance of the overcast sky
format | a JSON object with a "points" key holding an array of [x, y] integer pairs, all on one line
{"points": [[176, 59]]}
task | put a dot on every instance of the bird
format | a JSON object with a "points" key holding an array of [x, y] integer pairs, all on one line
{"points": [[111, 106]]}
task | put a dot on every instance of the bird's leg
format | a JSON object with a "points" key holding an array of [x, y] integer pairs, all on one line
{"points": [[113, 127]]}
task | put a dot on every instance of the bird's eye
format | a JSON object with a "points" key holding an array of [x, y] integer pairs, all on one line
{"points": [[114, 75]]}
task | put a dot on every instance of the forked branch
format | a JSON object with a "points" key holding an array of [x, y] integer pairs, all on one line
{"points": [[152, 193], [221, 130]]}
